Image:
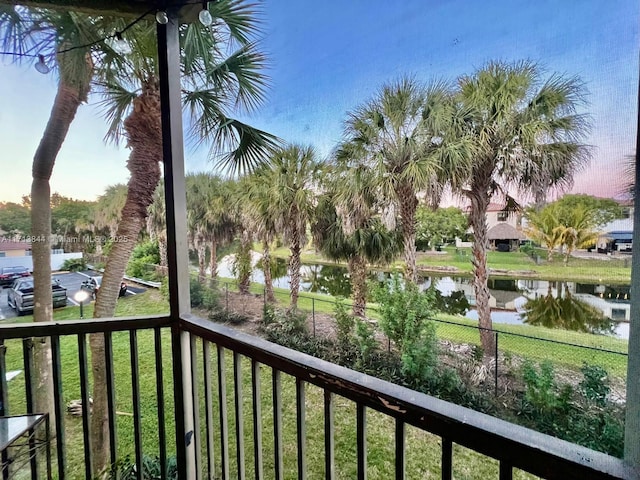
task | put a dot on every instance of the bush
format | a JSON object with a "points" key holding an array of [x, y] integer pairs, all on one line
{"points": [[594, 386], [143, 260], [74, 264], [126, 469], [202, 296]]}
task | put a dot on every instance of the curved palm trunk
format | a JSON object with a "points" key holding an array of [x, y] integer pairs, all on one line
{"points": [[477, 220], [408, 205], [294, 271], [69, 97], [213, 260], [266, 266], [144, 137], [358, 274]]}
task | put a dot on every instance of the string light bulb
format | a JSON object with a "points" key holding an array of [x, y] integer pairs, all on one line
{"points": [[205, 16], [41, 66], [119, 44], [162, 18]]}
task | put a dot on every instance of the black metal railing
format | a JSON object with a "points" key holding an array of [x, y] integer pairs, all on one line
{"points": [[249, 395]]}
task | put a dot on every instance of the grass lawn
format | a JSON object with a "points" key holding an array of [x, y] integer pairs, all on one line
{"points": [[606, 269], [423, 450], [520, 340]]}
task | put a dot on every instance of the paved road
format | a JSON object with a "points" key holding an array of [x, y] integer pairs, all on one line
{"points": [[71, 281]]}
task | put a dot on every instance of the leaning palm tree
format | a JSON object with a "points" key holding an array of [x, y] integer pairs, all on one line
{"points": [[50, 33], [214, 83], [523, 129], [406, 134], [289, 181]]}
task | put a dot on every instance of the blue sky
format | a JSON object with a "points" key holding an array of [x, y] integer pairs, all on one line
{"points": [[328, 57]]}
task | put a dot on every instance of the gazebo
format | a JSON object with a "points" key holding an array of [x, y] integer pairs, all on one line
{"points": [[504, 237]]}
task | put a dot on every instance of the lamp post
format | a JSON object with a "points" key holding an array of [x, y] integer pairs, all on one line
{"points": [[80, 297]]}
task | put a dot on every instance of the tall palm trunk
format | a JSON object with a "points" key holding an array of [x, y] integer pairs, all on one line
{"points": [[244, 262], [201, 249], [144, 137], [408, 204], [358, 274], [70, 95], [478, 221], [266, 266], [213, 259], [294, 270]]}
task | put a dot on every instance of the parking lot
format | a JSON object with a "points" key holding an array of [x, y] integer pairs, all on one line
{"points": [[71, 281]]}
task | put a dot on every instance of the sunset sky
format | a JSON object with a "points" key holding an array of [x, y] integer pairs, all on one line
{"points": [[328, 57]]}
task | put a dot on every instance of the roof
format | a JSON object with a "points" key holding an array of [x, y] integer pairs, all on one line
{"points": [[619, 236], [504, 231], [9, 245]]}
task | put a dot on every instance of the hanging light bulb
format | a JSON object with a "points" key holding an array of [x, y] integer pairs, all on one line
{"points": [[119, 44], [162, 18], [41, 66], [204, 16]]}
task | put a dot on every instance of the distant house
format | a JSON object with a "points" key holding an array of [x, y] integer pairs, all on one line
{"points": [[617, 235], [10, 248], [503, 228]]}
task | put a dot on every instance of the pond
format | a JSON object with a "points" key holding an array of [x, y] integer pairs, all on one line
{"points": [[508, 296]]}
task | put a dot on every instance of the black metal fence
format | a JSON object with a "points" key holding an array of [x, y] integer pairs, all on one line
{"points": [[460, 342]]}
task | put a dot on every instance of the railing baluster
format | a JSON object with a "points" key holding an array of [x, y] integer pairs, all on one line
{"points": [[27, 359], [162, 434], [111, 397], [301, 429], [400, 450], [208, 409], [361, 439], [506, 470], [86, 407], [135, 394], [57, 393], [447, 459], [277, 424], [197, 433], [222, 400], [237, 387], [257, 419], [329, 442], [4, 399]]}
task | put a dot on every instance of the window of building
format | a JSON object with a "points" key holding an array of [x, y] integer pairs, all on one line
{"points": [[503, 216]]}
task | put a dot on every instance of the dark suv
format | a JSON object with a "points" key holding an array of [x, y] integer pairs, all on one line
{"points": [[9, 274]]}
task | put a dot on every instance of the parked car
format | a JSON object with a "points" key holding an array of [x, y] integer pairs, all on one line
{"points": [[92, 286], [9, 274], [20, 295]]}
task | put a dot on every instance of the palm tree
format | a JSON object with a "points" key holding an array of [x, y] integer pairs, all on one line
{"points": [[50, 33], [222, 221], [198, 191], [576, 231], [213, 83], [405, 134], [157, 223], [289, 181], [256, 208], [543, 227], [523, 129], [347, 224]]}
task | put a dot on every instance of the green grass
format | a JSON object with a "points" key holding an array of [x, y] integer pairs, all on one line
{"points": [[605, 270], [423, 449]]}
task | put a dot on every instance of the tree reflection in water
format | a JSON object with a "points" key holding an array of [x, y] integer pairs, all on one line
{"points": [[565, 311]]}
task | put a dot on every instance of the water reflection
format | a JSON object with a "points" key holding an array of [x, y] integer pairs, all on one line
{"points": [[565, 311], [509, 297]]}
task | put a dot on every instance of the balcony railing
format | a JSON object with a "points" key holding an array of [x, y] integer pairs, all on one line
{"points": [[244, 394]]}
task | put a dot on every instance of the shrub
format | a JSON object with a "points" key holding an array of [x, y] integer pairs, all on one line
{"points": [[144, 257], [202, 296], [594, 386], [344, 322], [74, 264]]}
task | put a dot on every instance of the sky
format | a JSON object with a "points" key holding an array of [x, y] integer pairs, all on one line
{"points": [[326, 58]]}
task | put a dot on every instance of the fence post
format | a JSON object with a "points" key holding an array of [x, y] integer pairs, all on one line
{"points": [[496, 366], [313, 314]]}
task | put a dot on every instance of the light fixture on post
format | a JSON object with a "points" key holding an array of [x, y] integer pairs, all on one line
{"points": [[205, 16], [161, 17], [41, 66], [81, 296]]}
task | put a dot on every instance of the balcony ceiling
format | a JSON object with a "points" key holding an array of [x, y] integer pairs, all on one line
{"points": [[112, 7]]}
